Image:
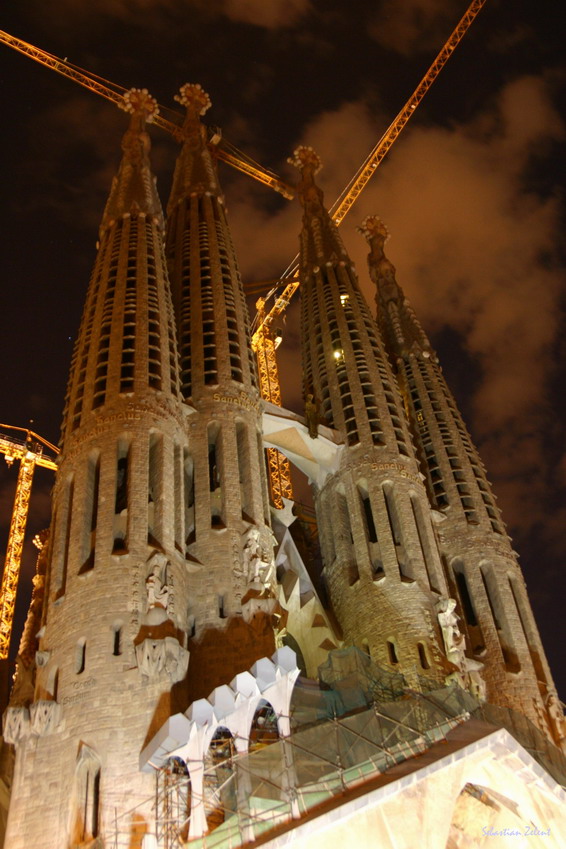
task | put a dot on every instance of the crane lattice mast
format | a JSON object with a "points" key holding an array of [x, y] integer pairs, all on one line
{"points": [[30, 453], [263, 339]]}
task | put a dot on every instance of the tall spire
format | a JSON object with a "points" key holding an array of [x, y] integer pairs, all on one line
{"points": [[320, 241], [127, 339], [133, 189], [227, 517], [394, 313], [195, 171], [380, 559], [116, 599], [481, 567]]}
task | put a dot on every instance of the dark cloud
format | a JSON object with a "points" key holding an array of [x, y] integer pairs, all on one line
{"points": [[270, 14], [414, 25]]}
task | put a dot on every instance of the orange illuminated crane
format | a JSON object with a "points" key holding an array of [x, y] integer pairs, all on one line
{"points": [[114, 93], [30, 453], [265, 339]]}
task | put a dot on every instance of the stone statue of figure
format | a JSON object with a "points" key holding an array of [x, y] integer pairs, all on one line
{"points": [[23, 690], [454, 640], [157, 589], [311, 415], [556, 715], [255, 564]]}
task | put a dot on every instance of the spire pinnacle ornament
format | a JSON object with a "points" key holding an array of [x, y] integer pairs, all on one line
{"points": [[305, 158], [140, 100], [373, 227], [194, 98]]}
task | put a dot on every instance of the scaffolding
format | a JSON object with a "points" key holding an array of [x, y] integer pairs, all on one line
{"points": [[349, 728]]}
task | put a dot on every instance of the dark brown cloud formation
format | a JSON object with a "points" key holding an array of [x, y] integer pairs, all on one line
{"points": [[270, 14]]}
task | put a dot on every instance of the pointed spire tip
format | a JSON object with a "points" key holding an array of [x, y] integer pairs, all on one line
{"points": [[194, 97], [140, 100], [305, 157], [373, 226]]}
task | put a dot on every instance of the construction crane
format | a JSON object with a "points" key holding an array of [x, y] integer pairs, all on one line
{"points": [[30, 453], [265, 338], [114, 93]]}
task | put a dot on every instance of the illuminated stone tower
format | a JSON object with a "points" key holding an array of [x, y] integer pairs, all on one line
{"points": [[227, 539], [113, 636], [382, 566], [480, 565]]}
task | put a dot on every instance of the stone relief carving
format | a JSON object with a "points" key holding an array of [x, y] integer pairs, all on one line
{"points": [[156, 583], [44, 717], [556, 715], [16, 724], [24, 684], [469, 670], [159, 643], [256, 563], [155, 656]]}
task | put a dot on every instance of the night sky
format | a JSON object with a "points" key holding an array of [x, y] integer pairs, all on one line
{"points": [[471, 193]]}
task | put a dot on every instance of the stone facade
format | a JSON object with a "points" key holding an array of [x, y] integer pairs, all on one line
{"points": [[162, 578]]}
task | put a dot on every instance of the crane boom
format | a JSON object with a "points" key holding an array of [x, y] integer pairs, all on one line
{"points": [[262, 341], [30, 454], [114, 93], [346, 200]]}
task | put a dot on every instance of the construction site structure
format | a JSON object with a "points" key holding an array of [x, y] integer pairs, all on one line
{"points": [[31, 453]]}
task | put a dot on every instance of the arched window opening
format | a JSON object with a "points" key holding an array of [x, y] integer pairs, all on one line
{"points": [[244, 471], [87, 795], [465, 598], [80, 657], [155, 489], [424, 533], [189, 499], [392, 652], [117, 639], [405, 569], [122, 498], [65, 538], [91, 514], [423, 659]]}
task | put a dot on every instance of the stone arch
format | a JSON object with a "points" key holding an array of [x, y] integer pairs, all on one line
{"points": [[263, 726]]}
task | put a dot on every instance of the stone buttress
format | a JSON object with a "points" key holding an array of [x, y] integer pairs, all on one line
{"points": [[381, 563], [481, 567], [227, 535], [114, 631]]}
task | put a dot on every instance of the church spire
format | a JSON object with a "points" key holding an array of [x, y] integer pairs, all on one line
{"points": [[126, 342], [380, 561], [208, 296], [133, 189], [482, 572], [320, 241], [195, 171], [395, 316]]}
